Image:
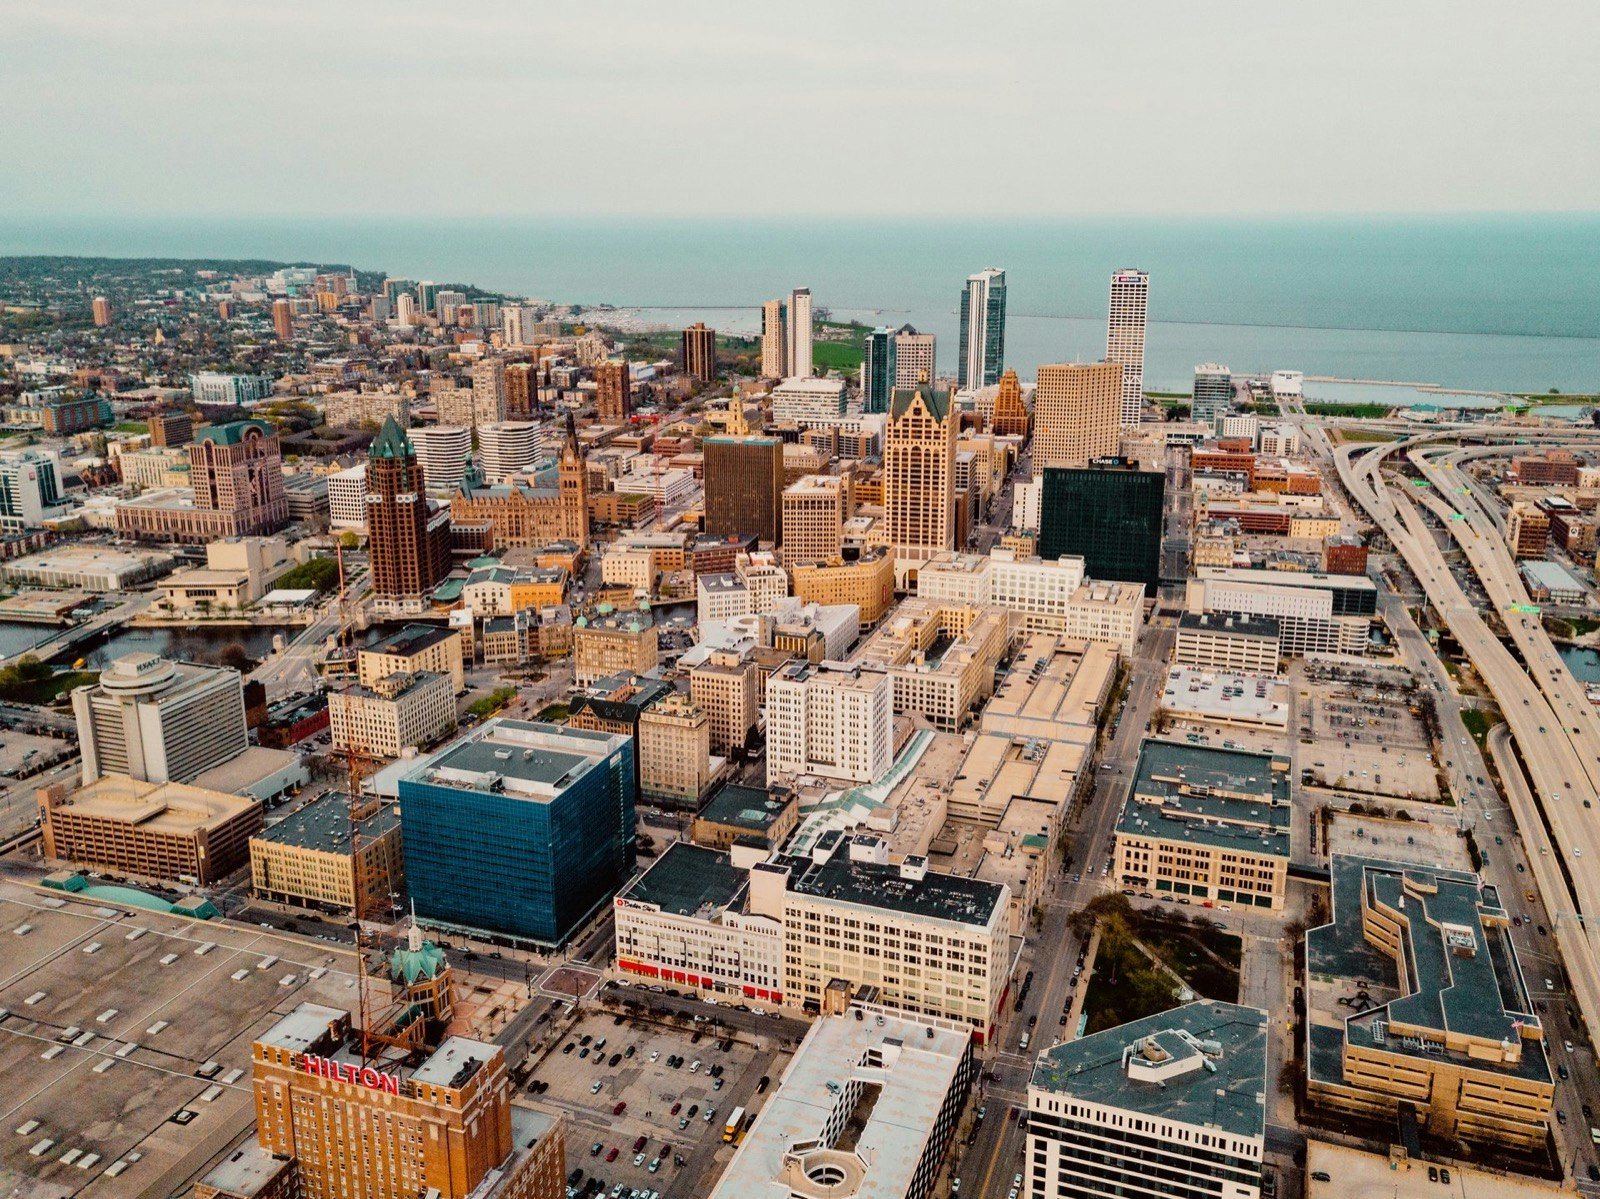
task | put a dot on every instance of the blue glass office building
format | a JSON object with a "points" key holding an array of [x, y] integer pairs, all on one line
{"points": [[520, 830], [877, 370]]}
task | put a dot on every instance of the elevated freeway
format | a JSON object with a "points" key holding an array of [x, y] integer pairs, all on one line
{"points": [[1556, 731]]}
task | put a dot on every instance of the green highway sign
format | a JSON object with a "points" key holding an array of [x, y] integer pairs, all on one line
{"points": [[1458, 516], [1530, 609]]}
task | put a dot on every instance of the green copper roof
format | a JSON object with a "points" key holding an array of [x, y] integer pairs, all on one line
{"points": [[413, 964], [391, 441], [233, 432], [937, 400]]}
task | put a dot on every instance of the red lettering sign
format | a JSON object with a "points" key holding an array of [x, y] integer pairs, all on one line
{"points": [[365, 1076]]}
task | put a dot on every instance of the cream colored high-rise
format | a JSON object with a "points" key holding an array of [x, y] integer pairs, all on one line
{"points": [[774, 341], [814, 512], [727, 688], [919, 474], [488, 391], [674, 746], [1077, 414], [1130, 294]]}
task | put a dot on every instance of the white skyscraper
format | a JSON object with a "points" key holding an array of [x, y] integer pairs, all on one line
{"points": [[442, 452], [405, 310], [508, 448], [799, 332], [913, 357], [1130, 293]]}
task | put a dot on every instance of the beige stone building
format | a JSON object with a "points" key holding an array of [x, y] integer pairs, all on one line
{"points": [[398, 712], [815, 508], [308, 857], [606, 643], [919, 467], [1076, 414], [867, 582], [946, 690], [726, 687], [413, 649], [674, 746]]}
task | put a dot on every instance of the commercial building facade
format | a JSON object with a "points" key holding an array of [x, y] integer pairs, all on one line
{"points": [[982, 348], [164, 830], [520, 829], [310, 858], [1223, 641], [829, 720], [1130, 296], [159, 721], [1166, 1105], [397, 713], [744, 487], [1316, 613], [1077, 414], [1110, 515], [919, 464], [413, 649], [674, 745]]}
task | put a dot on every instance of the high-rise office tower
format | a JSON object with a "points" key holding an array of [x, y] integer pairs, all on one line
{"points": [[507, 448], [409, 547], [774, 340], [332, 1124], [102, 311], [442, 451], [744, 487], [238, 468], [488, 391], [1077, 414], [799, 331], [1213, 392], [877, 370], [522, 390], [427, 296], [919, 476], [159, 721], [1109, 514], [611, 398], [393, 289], [1130, 295], [983, 329], [405, 310], [815, 508], [914, 357], [700, 352], [1010, 417], [282, 320], [171, 428]]}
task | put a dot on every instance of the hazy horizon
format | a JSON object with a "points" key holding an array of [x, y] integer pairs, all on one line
{"points": [[1031, 111]]}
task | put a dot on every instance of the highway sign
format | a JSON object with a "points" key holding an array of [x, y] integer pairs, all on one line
{"points": [[1458, 516], [1420, 483], [1529, 609]]}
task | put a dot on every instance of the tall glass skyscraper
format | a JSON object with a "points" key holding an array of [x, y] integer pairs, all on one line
{"points": [[1130, 296], [983, 328], [878, 370], [1108, 514]]}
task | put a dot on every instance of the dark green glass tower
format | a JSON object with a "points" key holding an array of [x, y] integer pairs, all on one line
{"points": [[1109, 514]]}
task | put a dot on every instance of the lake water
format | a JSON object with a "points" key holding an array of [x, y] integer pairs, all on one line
{"points": [[1583, 663], [1491, 303]]}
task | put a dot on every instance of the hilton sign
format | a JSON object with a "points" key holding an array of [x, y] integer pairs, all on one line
{"points": [[364, 1076]]}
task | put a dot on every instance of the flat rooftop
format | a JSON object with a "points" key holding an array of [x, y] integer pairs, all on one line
{"points": [[1462, 982], [1203, 1064], [869, 884], [907, 1067], [689, 880], [1229, 623], [157, 997], [1224, 798], [1055, 688], [175, 808], [244, 771], [1287, 578], [1257, 699], [410, 640], [750, 808], [323, 825], [1356, 1174], [524, 758]]}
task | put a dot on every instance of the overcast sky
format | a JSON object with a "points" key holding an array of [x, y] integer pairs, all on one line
{"points": [[815, 107]]}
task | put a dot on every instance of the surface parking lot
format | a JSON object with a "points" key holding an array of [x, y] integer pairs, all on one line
{"points": [[1366, 742], [649, 1088]]}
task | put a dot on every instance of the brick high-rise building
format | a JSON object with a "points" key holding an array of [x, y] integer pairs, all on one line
{"points": [[522, 390], [815, 508], [381, 1128], [171, 429], [409, 545], [238, 468], [700, 352], [744, 487], [283, 320], [612, 397], [1077, 414], [919, 466], [102, 311]]}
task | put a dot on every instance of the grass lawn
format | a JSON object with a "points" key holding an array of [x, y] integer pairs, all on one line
{"points": [[131, 426], [1193, 951], [836, 356], [1359, 411], [46, 690], [553, 714], [1125, 986], [1582, 626], [1478, 723], [1365, 435]]}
